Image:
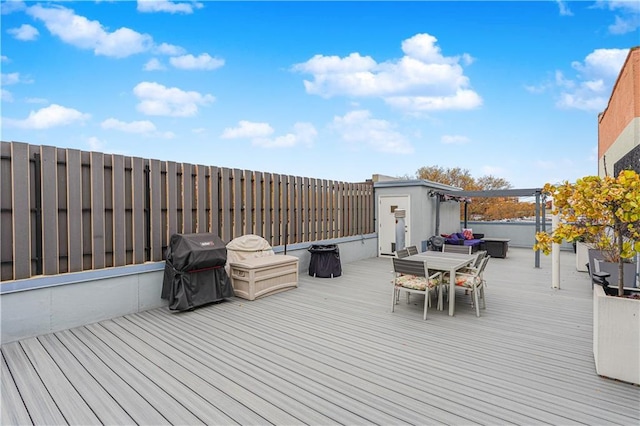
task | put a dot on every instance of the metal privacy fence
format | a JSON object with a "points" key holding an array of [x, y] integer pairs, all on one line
{"points": [[66, 210]]}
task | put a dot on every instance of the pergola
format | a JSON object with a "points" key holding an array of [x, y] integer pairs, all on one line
{"points": [[464, 196]]}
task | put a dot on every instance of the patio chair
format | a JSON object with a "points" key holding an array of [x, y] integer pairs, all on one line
{"points": [[452, 248], [412, 250], [473, 281], [402, 253], [481, 254], [413, 277]]}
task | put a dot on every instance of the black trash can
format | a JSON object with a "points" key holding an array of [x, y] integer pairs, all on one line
{"points": [[325, 261], [194, 272]]}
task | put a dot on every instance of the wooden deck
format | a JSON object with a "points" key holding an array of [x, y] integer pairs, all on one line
{"points": [[331, 352]]}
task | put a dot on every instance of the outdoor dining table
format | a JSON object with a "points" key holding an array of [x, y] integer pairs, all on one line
{"points": [[445, 262]]}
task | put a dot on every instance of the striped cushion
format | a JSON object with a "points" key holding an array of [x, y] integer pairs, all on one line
{"points": [[416, 283]]}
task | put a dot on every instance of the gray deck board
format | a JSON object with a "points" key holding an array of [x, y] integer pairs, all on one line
{"points": [[17, 414], [332, 352], [92, 392], [39, 403], [272, 391], [69, 401], [122, 394]]}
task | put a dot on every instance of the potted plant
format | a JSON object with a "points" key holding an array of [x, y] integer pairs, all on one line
{"points": [[605, 211]]}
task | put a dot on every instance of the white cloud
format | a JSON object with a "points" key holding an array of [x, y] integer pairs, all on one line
{"points": [[24, 33], [132, 127], [627, 18], [10, 6], [455, 139], [156, 99], [360, 130], [144, 128], [564, 8], [462, 99], [11, 78], [154, 65], [150, 6], [85, 34], [168, 49], [303, 133], [95, 144], [423, 79], [247, 129], [591, 88], [6, 96], [202, 62], [52, 116], [5, 58], [199, 130], [605, 63]]}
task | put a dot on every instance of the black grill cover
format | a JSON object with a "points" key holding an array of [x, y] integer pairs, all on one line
{"points": [[325, 261], [194, 272]]}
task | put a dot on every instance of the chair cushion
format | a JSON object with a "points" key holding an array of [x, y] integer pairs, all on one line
{"points": [[466, 280], [415, 282]]}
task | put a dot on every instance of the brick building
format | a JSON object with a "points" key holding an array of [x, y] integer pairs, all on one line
{"points": [[619, 123]]}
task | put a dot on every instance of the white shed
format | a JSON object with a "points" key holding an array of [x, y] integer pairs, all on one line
{"points": [[422, 221]]}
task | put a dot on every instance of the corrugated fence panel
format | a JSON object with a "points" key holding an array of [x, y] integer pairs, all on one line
{"points": [[339, 208], [97, 210], [226, 197], [247, 202], [119, 213], [76, 210], [236, 203], [108, 210], [214, 200], [313, 212], [155, 197], [137, 212], [298, 210], [21, 210], [268, 207], [276, 238], [63, 220], [187, 198], [303, 192], [172, 200], [6, 214], [259, 203], [198, 205], [49, 169]]}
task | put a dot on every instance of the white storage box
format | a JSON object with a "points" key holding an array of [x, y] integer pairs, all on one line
{"points": [[263, 276]]}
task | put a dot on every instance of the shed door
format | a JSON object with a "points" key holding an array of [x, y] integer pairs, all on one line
{"points": [[387, 223]]}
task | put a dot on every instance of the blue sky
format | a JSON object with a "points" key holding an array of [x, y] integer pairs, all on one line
{"points": [[333, 90]]}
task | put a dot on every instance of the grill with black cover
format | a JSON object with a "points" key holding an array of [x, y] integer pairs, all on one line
{"points": [[194, 273]]}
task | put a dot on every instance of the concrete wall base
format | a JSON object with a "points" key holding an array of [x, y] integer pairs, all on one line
{"points": [[48, 304]]}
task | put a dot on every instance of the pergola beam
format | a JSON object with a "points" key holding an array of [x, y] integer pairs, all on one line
{"points": [[493, 193]]}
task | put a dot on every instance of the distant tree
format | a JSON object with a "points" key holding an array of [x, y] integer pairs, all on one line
{"points": [[451, 176], [480, 208]]}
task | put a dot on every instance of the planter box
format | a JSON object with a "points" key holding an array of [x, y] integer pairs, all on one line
{"points": [[582, 256], [263, 276], [616, 336]]}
